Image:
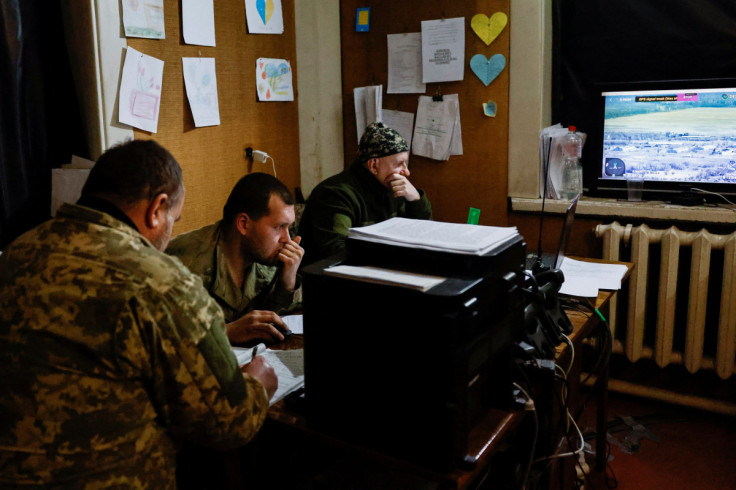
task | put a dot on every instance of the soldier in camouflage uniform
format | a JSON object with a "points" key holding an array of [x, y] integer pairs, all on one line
{"points": [[112, 352], [373, 189], [248, 261]]}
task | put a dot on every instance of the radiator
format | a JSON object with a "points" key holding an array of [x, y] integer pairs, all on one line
{"points": [[657, 339]]}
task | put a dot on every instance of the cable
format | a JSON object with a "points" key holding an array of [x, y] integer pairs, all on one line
{"points": [[570, 453], [273, 164], [715, 194], [533, 409], [572, 352]]}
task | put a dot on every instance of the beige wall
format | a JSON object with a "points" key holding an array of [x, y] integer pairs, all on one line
{"points": [[320, 90], [530, 81]]}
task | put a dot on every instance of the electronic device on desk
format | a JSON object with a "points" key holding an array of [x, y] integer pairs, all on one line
{"points": [[677, 136], [544, 319], [411, 372], [545, 261]]}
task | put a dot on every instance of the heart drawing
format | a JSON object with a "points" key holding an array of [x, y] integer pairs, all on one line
{"points": [[487, 28], [265, 9], [487, 69], [489, 108]]}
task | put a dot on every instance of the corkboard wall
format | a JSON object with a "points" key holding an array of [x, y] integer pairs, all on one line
{"points": [[478, 178], [212, 158]]}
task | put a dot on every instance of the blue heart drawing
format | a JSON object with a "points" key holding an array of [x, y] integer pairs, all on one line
{"points": [[487, 69], [489, 108]]}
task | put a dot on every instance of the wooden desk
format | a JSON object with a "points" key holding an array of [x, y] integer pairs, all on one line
{"points": [[287, 421], [485, 441]]}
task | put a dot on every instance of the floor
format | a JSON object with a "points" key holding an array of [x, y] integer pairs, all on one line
{"points": [[665, 446]]}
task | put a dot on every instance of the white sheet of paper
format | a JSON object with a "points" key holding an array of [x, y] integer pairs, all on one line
{"points": [[201, 84], [437, 128], [607, 276], [264, 16], [421, 282], [403, 122], [456, 145], [198, 21], [144, 18], [405, 64], [584, 287], [443, 50], [140, 90], [368, 103], [273, 80], [287, 364], [295, 323]]}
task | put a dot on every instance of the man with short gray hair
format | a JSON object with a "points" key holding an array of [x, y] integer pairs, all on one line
{"points": [[112, 352]]}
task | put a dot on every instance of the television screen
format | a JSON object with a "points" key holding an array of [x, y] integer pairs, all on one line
{"points": [[672, 138]]}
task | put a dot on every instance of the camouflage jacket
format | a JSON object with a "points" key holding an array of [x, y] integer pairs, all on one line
{"points": [[351, 198], [111, 352], [201, 251]]}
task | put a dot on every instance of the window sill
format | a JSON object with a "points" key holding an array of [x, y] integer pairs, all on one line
{"points": [[614, 208]]}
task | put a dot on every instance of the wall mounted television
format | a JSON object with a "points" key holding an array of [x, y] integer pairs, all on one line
{"points": [[679, 136]]}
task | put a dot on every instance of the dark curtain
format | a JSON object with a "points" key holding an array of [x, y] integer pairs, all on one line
{"points": [[604, 41], [40, 126]]}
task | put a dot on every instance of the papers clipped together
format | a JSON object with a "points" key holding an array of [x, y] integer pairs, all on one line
{"points": [[436, 235]]}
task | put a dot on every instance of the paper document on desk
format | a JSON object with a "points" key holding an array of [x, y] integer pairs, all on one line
{"points": [[295, 323], [586, 278], [288, 365], [436, 235], [390, 277]]}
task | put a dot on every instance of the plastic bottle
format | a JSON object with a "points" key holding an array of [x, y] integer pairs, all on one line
{"points": [[572, 170]]}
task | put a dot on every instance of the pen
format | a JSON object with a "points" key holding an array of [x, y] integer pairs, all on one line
{"points": [[255, 353]]}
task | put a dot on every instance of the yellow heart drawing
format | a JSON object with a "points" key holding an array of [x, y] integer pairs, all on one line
{"points": [[489, 29]]}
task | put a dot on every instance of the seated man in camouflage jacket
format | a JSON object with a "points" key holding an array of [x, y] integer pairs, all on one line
{"points": [[112, 352], [247, 260]]}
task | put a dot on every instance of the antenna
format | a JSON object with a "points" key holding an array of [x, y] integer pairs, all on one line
{"points": [[538, 264]]}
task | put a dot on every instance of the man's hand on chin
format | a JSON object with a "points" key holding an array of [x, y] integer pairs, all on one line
{"points": [[401, 187], [291, 256]]}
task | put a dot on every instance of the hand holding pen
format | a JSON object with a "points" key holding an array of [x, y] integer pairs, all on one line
{"points": [[260, 369]]}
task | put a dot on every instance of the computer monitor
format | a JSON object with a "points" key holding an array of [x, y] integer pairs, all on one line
{"points": [[678, 136]]}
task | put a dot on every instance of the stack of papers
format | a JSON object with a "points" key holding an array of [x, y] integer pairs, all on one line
{"points": [[437, 132], [368, 107], [584, 279], [421, 282], [436, 235]]}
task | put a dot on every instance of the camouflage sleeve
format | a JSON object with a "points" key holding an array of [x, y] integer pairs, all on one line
{"points": [[199, 392]]}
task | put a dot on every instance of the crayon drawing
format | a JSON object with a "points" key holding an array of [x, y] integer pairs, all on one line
{"points": [[144, 18], [201, 84], [140, 90], [273, 80], [264, 16]]}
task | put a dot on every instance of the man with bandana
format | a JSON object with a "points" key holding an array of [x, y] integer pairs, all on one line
{"points": [[247, 261], [374, 188], [113, 354]]}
